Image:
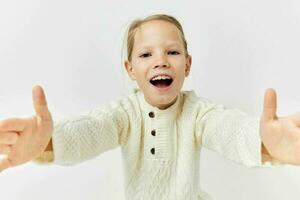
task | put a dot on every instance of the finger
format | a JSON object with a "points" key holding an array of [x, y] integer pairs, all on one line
{"points": [[270, 105], [13, 124], [5, 149], [4, 163], [8, 137], [40, 103]]}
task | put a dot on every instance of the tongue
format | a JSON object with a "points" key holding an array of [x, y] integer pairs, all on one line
{"points": [[161, 84]]}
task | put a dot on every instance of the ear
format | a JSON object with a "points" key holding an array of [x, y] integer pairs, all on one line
{"points": [[188, 65], [130, 70]]}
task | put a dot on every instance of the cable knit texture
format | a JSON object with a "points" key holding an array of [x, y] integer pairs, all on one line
{"points": [[163, 165]]}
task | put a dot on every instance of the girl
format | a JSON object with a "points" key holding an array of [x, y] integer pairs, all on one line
{"points": [[160, 128]]}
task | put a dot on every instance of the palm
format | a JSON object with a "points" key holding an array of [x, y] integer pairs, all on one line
{"points": [[32, 140], [280, 135]]}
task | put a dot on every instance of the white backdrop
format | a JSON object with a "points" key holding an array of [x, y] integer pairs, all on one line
{"points": [[73, 49]]}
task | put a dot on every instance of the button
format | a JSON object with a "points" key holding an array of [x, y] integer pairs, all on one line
{"points": [[153, 132], [153, 150], [151, 114]]}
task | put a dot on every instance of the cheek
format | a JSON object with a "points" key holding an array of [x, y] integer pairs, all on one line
{"points": [[180, 73], [179, 62], [140, 74], [140, 68], [180, 66]]}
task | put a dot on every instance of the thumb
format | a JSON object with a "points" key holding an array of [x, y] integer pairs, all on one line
{"points": [[270, 105], [40, 103]]}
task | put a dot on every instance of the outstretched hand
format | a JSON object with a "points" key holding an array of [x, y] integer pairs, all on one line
{"points": [[280, 135], [24, 139]]}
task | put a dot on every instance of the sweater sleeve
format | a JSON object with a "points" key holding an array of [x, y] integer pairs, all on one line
{"points": [[87, 135], [232, 134]]}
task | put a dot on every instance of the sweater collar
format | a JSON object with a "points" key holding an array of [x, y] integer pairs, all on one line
{"points": [[171, 112]]}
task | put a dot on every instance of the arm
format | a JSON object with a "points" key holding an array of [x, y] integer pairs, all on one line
{"points": [[84, 137], [230, 132], [242, 138]]}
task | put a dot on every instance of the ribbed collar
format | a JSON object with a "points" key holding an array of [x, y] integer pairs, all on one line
{"points": [[170, 113]]}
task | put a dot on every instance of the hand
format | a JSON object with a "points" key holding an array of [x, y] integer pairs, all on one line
{"points": [[24, 139], [280, 135]]}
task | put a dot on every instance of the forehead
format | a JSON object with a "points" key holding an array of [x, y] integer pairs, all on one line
{"points": [[157, 32]]}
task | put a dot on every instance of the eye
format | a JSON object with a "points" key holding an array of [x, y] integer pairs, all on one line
{"points": [[145, 55], [173, 53]]}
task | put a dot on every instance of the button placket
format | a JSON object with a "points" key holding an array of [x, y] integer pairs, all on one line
{"points": [[153, 132]]}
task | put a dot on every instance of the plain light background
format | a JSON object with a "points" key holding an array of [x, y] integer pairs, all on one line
{"points": [[73, 49]]}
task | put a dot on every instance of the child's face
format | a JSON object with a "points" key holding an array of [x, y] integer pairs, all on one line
{"points": [[158, 49]]}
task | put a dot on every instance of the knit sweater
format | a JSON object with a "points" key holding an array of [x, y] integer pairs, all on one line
{"points": [[160, 148]]}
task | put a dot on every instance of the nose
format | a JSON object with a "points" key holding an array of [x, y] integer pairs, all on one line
{"points": [[162, 61]]}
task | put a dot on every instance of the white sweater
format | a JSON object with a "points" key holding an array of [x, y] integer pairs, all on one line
{"points": [[160, 148]]}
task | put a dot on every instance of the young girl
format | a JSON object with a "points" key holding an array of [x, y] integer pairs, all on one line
{"points": [[160, 128]]}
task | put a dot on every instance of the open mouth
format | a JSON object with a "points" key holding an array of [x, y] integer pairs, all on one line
{"points": [[161, 81]]}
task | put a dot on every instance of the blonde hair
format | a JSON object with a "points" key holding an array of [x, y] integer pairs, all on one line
{"points": [[138, 22]]}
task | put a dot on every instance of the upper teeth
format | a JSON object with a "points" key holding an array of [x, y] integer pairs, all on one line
{"points": [[161, 77]]}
